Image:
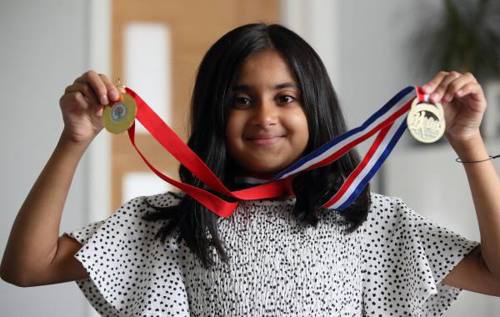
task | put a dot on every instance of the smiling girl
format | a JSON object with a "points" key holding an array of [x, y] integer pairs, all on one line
{"points": [[262, 99]]}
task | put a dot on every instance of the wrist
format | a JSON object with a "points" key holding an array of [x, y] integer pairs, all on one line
{"points": [[68, 142], [470, 149]]}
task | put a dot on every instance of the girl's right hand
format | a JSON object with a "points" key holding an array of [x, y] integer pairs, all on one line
{"points": [[82, 106]]}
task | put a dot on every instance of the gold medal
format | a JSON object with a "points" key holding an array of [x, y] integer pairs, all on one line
{"points": [[426, 121], [119, 116]]}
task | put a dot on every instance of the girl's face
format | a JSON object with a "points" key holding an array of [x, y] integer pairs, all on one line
{"points": [[266, 129]]}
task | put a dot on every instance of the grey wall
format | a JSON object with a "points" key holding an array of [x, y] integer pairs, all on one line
{"points": [[44, 45], [376, 58]]}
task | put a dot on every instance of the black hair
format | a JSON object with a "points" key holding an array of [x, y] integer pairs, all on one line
{"points": [[212, 96]]}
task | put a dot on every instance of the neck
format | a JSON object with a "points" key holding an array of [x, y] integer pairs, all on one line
{"points": [[245, 180]]}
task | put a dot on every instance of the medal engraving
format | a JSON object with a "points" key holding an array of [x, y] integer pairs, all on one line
{"points": [[118, 112], [120, 116], [426, 121]]}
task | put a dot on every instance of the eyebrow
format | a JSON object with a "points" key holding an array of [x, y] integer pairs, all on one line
{"points": [[275, 87]]}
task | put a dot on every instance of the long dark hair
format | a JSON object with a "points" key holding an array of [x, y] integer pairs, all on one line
{"points": [[212, 95]]}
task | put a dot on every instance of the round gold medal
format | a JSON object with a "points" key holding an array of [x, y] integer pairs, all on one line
{"points": [[426, 121], [119, 116]]}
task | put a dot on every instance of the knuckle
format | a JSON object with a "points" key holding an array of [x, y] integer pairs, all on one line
{"points": [[103, 77], [470, 75], [474, 86], [89, 74], [79, 99], [99, 85], [72, 97], [67, 99], [108, 82]]}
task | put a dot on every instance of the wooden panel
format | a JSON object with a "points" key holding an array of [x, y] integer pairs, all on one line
{"points": [[194, 26]]}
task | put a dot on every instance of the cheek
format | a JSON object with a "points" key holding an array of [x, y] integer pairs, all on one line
{"points": [[234, 129], [297, 122]]}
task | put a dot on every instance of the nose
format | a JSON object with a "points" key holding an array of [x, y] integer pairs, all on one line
{"points": [[265, 114]]}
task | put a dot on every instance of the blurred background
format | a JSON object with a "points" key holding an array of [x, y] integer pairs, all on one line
{"points": [[371, 50]]}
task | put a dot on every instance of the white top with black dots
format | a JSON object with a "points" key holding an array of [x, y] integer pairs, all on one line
{"points": [[392, 265]]}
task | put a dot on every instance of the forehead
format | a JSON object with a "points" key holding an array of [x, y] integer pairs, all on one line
{"points": [[266, 66]]}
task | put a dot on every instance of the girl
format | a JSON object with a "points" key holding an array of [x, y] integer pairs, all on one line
{"points": [[261, 100]]}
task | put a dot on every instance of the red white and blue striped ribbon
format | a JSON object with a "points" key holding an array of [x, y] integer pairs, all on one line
{"points": [[375, 157], [389, 121]]}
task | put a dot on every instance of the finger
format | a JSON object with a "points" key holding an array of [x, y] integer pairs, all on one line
{"points": [[76, 96], [85, 90], [113, 93], [434, 82], [439, 91], [455, 85], [73, 97], [95, 82], [472, 89]]}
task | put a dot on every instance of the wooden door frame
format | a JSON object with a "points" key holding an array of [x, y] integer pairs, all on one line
{"points": [[296, 14]]}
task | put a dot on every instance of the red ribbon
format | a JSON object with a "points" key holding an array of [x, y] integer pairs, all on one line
{"points": [[173, 144]]}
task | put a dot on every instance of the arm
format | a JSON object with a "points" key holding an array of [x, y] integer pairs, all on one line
{"points": [[35, 254], [480, 270]]}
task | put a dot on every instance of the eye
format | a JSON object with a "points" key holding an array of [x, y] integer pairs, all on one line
{"points": [[241, 101], [285, 99]]}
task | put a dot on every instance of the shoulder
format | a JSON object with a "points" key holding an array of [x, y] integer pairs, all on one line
{"points": [[383, 202], [128, 217], [141, 205], [134, 212], [386, 213], [385, 206], [163, 200]]}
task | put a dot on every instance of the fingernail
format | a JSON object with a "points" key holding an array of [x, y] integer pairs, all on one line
{"points": [[114, 95], [104, 100], [434, 97]]}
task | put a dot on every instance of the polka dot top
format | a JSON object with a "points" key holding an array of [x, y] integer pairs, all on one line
{"points": [[392, 265]]}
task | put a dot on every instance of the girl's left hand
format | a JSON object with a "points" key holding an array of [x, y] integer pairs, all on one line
{"points": [[463, 103]]}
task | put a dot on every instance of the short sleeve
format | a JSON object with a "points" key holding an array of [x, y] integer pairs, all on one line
{"points": [[405, 258], [131, 273]]}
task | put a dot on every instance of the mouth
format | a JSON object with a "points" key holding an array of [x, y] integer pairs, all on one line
{"points": [[265, 140]]}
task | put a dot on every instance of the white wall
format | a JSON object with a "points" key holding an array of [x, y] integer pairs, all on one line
{"points": [[44, 46]]}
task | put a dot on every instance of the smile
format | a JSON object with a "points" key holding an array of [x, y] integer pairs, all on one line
{"points": [[265, 141]]}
